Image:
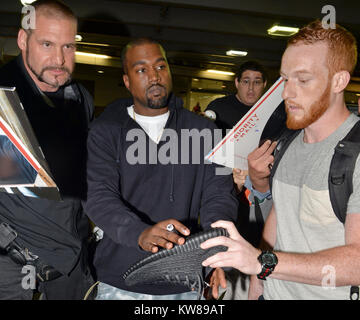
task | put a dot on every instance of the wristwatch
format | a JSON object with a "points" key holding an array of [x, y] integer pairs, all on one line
{"points": [[268, 261]]}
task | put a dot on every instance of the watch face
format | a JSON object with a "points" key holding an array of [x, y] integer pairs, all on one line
{"points": [[269, 259]]}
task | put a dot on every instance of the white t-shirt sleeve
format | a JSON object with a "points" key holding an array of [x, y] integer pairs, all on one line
{"points": [[354, 199]]}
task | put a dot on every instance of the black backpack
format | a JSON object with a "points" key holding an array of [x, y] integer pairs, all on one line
{"points": [[340, 174]]}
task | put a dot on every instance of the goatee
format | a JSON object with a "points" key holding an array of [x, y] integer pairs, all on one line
{"points": [[40, 76], [160, 102], [315, 111]]}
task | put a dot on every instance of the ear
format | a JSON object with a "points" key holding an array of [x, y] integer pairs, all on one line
{"points": [[265, 83], [340, 81], [236, 83], [22, 39], [126, 81]]}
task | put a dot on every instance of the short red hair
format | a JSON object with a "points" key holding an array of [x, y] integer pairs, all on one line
{"points": [[342, 54]]}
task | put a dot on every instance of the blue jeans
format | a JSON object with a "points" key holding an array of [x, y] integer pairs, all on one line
{"points": [[107, 292]]}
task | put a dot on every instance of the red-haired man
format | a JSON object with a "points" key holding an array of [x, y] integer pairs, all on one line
{"points": [[308, 248]]}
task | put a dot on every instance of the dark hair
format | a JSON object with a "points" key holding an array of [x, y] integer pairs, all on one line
{"points": [[253, 66], [53, 8], [137, 42]]}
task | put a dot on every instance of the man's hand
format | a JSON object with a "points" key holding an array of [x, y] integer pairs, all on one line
{"points": [[217, 279], [157, 236], [260, 161], [239, 177], [240, 254]]}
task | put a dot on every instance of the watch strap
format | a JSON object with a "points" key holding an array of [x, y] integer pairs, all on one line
{"points": [[266, 268], [266, 271]]}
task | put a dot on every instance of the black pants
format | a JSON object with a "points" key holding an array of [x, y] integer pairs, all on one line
{"points": [[72, 287], [11, 281]]}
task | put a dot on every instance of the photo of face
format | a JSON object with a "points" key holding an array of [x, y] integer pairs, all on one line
{"points": [[14, 168]]}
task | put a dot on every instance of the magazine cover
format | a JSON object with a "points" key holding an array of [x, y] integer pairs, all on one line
{"points": [[23, 168]]}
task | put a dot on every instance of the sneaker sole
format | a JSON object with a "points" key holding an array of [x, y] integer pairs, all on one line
{"points": [[183, 259]]}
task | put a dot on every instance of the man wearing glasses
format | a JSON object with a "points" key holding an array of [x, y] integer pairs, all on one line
{"points": [[250, 82]]}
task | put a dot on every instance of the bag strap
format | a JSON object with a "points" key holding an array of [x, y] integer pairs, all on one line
{"points": [[341, 171], [340, 179], [258, 214], [282, 144], [284, 140], [23, 256]]}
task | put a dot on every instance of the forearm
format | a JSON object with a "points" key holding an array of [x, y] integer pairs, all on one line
{"points": [[218, 199], [338, 265], [116, 220], [313, 268], [267, 243], [269, 233], [105, 204]]}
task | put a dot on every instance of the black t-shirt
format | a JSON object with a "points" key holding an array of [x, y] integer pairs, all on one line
{"points": [[229, 110], [62, 130]]}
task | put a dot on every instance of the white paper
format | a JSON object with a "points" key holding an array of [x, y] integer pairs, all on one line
{"points": [[232, 151]]}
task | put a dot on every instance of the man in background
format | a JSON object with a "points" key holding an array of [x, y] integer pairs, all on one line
{"points": [[250, 82]]}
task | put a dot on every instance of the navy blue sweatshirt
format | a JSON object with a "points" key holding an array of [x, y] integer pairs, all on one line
{"points": [[124, 199]]}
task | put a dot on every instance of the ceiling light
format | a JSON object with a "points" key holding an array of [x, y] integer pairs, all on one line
{"points": [[26, 2], [358, 94], [93, 55], [100, 71], [96, 44], [78, 38], [236, 53], [282, 31], [228, 73]]}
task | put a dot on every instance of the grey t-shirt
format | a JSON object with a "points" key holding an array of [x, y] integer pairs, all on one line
{"points": [[306, 222]]}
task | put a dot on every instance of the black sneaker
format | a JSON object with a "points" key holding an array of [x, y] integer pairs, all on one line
{"points": [[179, 265]]}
